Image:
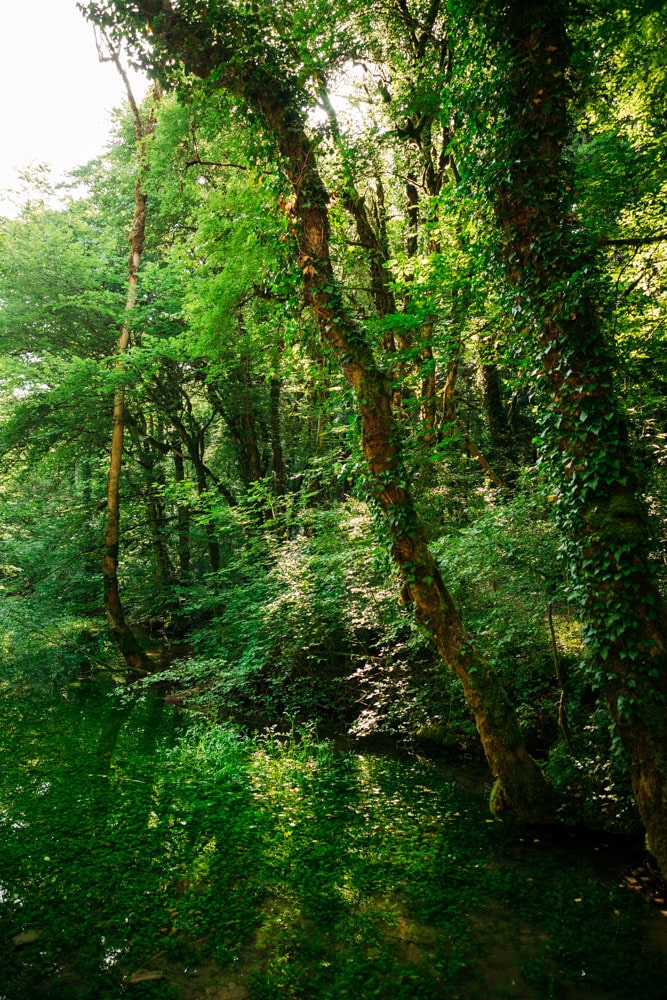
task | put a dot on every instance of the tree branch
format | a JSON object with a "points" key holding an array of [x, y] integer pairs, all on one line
{"points": [[633, 241]]}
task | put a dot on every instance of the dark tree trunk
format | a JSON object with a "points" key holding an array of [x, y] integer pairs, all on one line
{"points": [[245, 413], [236, 403], [193, 440], [503, 454], [429, 394], [586, 442], [212, 543], [276, 442], [183, 514], [149, 452]]}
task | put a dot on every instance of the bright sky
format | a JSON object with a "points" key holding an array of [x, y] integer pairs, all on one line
{"points": [[56, 98]]}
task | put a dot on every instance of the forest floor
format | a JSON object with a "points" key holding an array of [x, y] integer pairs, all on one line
{"points": [[142, 859]]}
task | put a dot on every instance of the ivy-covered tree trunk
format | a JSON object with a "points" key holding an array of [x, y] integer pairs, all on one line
{"points": [[585, 441], [521, 784], [263, 84]]}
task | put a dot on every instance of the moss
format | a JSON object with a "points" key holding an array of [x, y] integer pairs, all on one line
{"points": [[497, 802], [620, 520], [536, 802], [439, 735]]}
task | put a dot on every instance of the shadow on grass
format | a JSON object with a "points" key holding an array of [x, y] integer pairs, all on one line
{"points": [[225, 866]]}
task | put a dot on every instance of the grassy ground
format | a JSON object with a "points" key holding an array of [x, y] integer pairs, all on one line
{"points": [[222, 867]]}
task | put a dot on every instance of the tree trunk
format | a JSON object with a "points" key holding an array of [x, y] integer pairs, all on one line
{"points": [[278, 462], [520, 785], [121, 631], [503, 453], [193, 440], [451, 419], [236, 403], [601, 511], [149, 448], [183, 514], [212, 543]]}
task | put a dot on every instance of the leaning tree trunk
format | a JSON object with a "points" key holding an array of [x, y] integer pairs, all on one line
{"points": [[520, 784], [586, 444], [122, 633]]}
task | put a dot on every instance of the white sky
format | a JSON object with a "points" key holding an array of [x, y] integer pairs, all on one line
{"points": [[56, 98]]}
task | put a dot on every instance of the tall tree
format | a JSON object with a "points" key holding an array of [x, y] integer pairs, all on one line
{"points": [[120, 629], [559, 299], [235, 50]]}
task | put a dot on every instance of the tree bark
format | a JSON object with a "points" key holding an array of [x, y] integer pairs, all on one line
{"points": [[123, 635], [121, 631], [236, 402], [195, 450], [192, 435], [278, 462], [183, 514], [149, 448], [601, 511], [521, 785], [503, 452]]}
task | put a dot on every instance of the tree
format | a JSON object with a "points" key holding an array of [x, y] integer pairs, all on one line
{"points": [[558, 298], [122, 633], [234, 50]]}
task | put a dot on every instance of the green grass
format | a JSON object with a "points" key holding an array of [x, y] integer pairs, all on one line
{"points": [[281, 868]]}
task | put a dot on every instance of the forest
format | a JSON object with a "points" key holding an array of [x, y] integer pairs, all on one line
{"points": [[333, 511]]}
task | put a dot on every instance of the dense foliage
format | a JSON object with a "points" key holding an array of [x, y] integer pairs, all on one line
{"points": [[269, 867], [469, 277]]}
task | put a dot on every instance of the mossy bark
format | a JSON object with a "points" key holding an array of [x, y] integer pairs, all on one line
{"points": [[601, 511], [521, 784]]}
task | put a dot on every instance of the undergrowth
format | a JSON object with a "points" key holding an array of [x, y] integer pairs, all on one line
{"points": [[274, 862]]}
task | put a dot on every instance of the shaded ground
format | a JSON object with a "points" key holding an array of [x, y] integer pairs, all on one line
{"points": [[220, 867]]}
